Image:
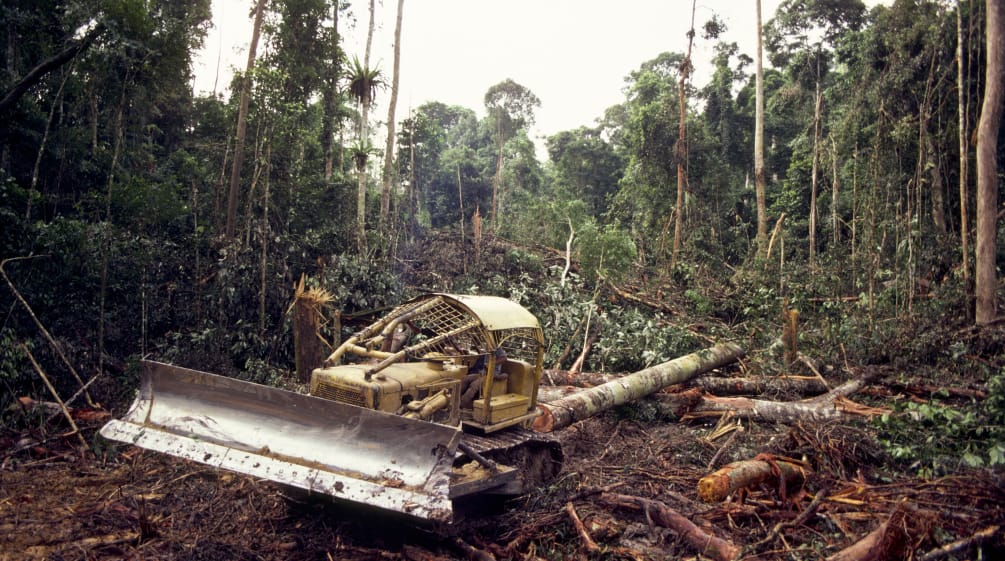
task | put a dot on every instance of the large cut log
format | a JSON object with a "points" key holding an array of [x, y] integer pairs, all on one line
{"points": [[702, 542], [782, 473], [563, 412]]}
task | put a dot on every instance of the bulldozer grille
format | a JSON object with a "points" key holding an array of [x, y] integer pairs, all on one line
{"points": [[344, 394]]}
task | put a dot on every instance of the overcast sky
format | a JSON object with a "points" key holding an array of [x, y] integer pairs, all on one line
{"points": [[573, 54]]}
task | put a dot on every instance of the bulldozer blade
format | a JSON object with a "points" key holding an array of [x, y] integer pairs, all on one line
{"points": [[319, 445]]}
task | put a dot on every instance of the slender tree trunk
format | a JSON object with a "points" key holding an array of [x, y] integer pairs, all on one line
{"points": [[369, 38], [263, 273], [963, 109], [759, 176], [331, 97], [385, 194], [987, 165], [816, 167], [45, 139], [498, 177], [106, 252], [361, 161], [835, 223], [681, 148], [242, 116], [938, 188]]}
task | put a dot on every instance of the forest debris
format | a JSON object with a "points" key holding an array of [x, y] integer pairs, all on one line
{"points": [[472, 552], [829, 406], [893, 539], [957, 546], [564, 412], [44, 551], [45, 332], [803, 517], [55, 395], [701, 541], [584, 536], [784, 473]]}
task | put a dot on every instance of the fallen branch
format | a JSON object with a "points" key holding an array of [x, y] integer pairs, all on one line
{"points": [[702, 542], [584, 536], [783, 473], [957, 546], [798, 521], [55, 395], [472, 552], [45, 332]]}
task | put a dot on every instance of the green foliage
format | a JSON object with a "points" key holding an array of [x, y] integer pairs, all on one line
{"points": [[935, 438], [607, 251]]}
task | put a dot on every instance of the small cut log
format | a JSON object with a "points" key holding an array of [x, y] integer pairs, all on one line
{"points": [[784, 474]]}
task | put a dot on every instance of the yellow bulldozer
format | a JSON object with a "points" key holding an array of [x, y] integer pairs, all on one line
{"points": [[424, 407]]}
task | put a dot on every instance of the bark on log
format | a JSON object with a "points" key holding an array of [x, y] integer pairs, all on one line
{"points": [[702, 542], [826, 407], [891, 540], [802, 385], [782, 473], [718, 385], [578, 406]]}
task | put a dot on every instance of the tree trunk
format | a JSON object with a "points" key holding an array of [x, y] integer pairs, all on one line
{"points": [[493, 219], [987, 165], [681, 148], [835, 222], [385, 194], [963, 110], [938, 188], [564, 412], [242, 125], [331, 98], [759, 176], [818, 101]]}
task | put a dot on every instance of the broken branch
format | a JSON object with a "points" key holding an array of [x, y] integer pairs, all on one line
{"points": [[702, 542]]}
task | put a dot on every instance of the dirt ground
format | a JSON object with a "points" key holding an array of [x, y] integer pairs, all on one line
{"points": [[126, 503]]}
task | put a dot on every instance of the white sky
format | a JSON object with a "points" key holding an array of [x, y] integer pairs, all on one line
{"points": [[573, 54]]}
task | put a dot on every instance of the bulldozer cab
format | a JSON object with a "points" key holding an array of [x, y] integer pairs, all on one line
{"points": [[451, 359]]}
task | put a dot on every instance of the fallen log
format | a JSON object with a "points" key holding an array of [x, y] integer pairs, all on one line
{"points": [[563, 412], [830, 406], [702, 542], [785, 474], [802, 385]]}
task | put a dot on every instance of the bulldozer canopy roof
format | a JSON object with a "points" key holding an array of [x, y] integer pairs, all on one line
{"points": [[496, 313]]}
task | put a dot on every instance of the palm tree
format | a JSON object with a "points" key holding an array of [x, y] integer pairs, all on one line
{"points": [[363, 84]]}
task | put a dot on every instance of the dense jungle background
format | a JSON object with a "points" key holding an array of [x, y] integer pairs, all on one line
{"points": [[139, 220]]}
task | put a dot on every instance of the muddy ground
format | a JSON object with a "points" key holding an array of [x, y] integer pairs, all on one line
{"points": [[124, 503]]}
